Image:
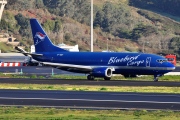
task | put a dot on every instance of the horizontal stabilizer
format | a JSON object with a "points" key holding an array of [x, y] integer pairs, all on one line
{"points": [[26, 53]]}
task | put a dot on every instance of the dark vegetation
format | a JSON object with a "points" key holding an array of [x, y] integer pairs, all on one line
{"points": [[127, 28], [166, 6]]}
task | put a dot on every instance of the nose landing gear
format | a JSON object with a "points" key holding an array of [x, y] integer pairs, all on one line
{"points": [[156, 77]]}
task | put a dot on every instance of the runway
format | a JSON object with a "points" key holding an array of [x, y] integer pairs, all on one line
{"points": [[38, 70], [81, 99], [89, 100]]}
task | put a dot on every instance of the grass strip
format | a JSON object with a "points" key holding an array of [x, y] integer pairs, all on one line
{"points": [[149, 89], [37, 113], [83, 77]]}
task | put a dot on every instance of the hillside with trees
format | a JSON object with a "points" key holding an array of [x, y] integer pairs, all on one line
{"points": [[170, 7], [123, 23]]}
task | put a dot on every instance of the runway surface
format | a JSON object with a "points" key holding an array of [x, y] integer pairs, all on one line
{"points": [[12, 57], [38, 70], [87, 82], [89, 100]]}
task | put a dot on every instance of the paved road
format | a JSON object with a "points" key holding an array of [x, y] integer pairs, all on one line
{"points": [[92, 100], [12, 57], [38, 70]]}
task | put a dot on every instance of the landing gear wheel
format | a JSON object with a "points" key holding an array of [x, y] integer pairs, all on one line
{"points": [[129, 75], [126, 76], [107, 78], [155, 78], [90, 77]]}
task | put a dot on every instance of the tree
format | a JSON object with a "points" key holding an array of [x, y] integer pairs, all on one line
{"points": [[175, 43], [49, 25], [39, 4], [99, 18], [67, 36], [57, 26], [3, 24], [23, 22]]}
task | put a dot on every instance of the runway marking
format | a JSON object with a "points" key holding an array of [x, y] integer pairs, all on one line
{"points": [[114, 94], [102, 93], [88, 100], [110, 94], [155, 95]]}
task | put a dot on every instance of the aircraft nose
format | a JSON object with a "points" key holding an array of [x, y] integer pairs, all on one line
{"points": [[170, 66]]}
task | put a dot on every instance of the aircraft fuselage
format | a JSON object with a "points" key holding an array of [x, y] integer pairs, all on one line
{"points": [[133, 63]]}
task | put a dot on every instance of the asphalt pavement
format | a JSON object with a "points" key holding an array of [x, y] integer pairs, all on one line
{"points": [[90, 100], [38, 70]]}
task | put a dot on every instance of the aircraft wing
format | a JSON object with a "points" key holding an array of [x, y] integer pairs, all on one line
{"points": [[35, 54], [69, 67], [31, 54]]}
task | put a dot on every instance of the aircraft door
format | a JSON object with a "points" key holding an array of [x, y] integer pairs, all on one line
{"points": [[148, 62]]}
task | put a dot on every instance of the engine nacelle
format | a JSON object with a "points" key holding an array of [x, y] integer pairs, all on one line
{"points": [[102, 72]]}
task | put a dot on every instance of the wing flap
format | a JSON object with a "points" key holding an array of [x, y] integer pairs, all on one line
{"points": [[69, 67]]}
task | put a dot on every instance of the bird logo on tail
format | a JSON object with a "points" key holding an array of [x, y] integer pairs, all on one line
{"points": [[39, 38]]}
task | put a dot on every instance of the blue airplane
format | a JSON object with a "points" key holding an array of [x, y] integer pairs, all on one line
{"points": [[96, 64]]}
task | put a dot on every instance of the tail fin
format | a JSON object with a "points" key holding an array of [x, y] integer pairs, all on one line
{"points": [[42, 42]]}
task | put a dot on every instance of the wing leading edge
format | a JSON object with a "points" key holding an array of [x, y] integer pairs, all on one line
{"points": [[70, 67]]}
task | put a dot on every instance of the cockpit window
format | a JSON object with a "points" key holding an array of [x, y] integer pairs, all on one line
{"points": [[170, 59], [161, 60]]}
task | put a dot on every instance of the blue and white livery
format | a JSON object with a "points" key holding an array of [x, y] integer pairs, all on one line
{"points": [[96, 64]]}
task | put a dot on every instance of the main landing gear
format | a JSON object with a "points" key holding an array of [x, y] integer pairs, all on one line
{"points": [[90, 77], [107, 78]]}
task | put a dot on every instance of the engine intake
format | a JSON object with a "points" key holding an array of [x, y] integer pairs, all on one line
{"points": [[102, 72]]}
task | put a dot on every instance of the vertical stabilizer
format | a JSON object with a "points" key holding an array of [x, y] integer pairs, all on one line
{"points": [[42, 42]]}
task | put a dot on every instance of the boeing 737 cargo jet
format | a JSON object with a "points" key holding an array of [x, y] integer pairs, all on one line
{"points": [[96, 64]]}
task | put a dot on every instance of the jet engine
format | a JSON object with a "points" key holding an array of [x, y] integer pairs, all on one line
{"points": [[102, 72]]}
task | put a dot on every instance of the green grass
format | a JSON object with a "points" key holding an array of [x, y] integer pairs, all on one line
{"points": [[170, 78], [4, 47], [147, 89], [35, 113], [64, 76]]}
